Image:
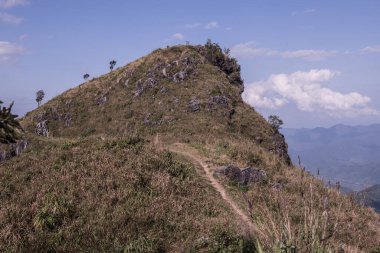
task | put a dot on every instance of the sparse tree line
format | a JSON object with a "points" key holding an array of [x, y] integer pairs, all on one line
{"points": [[112, 64], [10, 128]]}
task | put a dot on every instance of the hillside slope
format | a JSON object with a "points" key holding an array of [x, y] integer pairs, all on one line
{"points": [[181, 90], [93, 178]]}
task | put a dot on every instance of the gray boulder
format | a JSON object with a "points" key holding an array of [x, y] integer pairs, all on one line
{"points": [[243, 177], [143, 86], [179, 76], [42, 128]]}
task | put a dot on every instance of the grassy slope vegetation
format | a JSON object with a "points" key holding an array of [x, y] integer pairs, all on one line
{"points": [[97, 184], [301, 211], [87, 195]]}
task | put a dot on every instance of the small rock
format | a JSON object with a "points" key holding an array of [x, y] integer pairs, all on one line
{"points": [[231, 172], [193, 105], [179, 76], [176, 100], [141, 87], [218, 100], [146, 119], [42, 128], [277, 186], [252, 175], [164, 89], [102, 99]]}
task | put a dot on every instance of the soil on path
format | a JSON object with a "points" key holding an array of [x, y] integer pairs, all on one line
{"points": [[193, 155]]}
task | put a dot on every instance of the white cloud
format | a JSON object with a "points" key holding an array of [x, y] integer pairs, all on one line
{"points": [[307, 11], [194, 25], [211, 25], [8, 4], [304, 12], [9, 18], [23, 36], [313, 55], [8, 50], [305, 89], [178, 36], [249, 50], [371, 50]]}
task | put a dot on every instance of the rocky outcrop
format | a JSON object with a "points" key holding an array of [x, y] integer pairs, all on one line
{"points": [[242, 177], [280, 147], [217, 101], [13, 150], [142, 86], [42, 128], [61, 114]]}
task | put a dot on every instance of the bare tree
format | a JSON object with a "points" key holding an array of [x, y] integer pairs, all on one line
{"points": [[112, 64], [39, 96], [86, 76]]}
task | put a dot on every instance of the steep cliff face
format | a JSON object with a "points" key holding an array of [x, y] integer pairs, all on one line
{"points": [[185, 91]]}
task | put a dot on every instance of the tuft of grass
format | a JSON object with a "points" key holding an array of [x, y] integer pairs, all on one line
{"points": [[53, 212]]}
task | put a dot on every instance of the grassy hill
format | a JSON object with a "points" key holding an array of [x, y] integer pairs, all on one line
{"points": [[92, 178]]}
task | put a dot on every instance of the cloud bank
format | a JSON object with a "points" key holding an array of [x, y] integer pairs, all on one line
{"points": [[8, 4], [371, 50], [9, 18], [208, 26], [249, 50], [306, 91], [178, 36], [9, 50], [211, 25]]}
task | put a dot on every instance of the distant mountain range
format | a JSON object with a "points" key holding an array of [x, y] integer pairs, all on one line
{"points": [[371, 197], [348, 154]]}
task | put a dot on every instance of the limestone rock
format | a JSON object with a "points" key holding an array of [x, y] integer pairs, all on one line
{"points": [[243, 177], [42, 128], [142, 86], [193, 105]]}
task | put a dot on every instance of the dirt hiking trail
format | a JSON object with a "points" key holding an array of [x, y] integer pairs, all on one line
{"points": [[194, 156]]}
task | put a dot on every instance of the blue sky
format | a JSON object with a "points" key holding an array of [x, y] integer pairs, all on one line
{"points": [[314, 63]]}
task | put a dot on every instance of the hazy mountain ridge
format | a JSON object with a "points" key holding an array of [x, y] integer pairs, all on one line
{"points": [[349, 154], [371, 197]]}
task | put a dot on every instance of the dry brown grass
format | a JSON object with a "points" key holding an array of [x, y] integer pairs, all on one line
{"points": [[94, 187], [305, 212], [79, 195]]}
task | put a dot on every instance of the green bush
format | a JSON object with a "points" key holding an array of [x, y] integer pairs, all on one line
{"points": [[53, 213], [215, 55]]}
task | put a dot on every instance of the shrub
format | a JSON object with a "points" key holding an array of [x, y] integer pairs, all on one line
{"points": [[275, 122], [215, 55], [53, 213]]}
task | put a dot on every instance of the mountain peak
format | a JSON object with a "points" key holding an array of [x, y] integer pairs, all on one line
{"points": [[184, 91]]}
